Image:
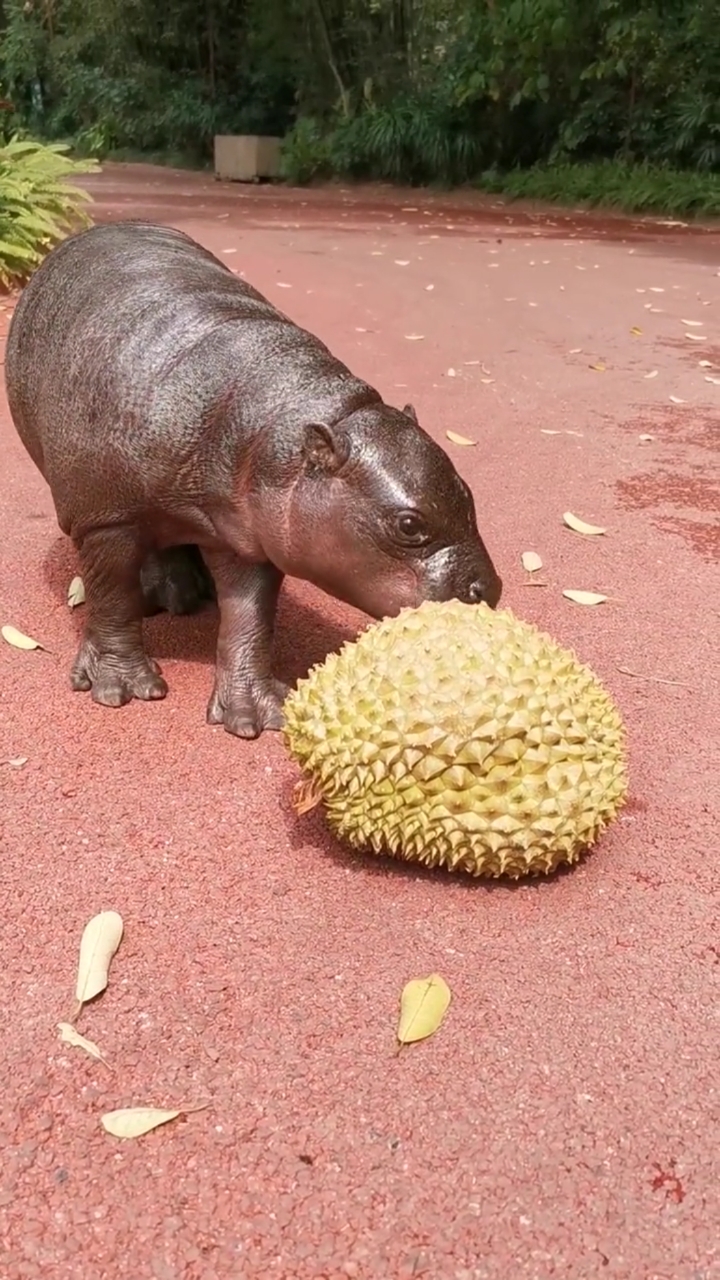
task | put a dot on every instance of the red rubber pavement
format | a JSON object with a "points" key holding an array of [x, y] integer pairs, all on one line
{"points": [[564, 1122]]}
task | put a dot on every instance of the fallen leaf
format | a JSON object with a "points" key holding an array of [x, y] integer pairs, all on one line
{"points": [[676, 400], [709, 378], [76, 593], [545, 431], [646, 437], [18, 640], [306, 795], [574, 522], [599, 368], [635, 331], [584, 597], [705, 364], [654, 374], [69, 1035], [100, 940], [133, 1122], [414, 337], [693, 324], [456, 439], [423, 1005], [574, 433], [451, 373], [696, 337], [487, 381], [531, 561], [575, 351], [281, 285], [17, 762], [429, 288], [402, 262], [655, 289]]}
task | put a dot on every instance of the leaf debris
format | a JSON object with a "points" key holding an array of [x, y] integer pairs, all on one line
{"points": [[76, 593], [584, 597], [423, 1005], [100, 940], [581, 526], [531, 561], [18, 639]]}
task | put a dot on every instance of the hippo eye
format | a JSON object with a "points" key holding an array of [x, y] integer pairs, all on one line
{"points": [[412, 528]]}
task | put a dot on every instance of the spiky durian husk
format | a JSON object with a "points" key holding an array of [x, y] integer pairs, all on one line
{"points": [[460, 736]]}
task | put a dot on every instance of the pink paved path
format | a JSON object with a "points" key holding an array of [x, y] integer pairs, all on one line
{"points": [[565, 1121]]}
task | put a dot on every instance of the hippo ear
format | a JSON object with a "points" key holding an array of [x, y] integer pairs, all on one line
{"points": [[325, 448], [409, 411]]}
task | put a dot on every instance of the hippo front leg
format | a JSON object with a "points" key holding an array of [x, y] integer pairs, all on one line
{"points": [[245, 697], [111, 660]]}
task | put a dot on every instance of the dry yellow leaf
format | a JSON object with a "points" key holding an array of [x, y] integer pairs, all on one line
{"points": [[70, 1036], [531, 561], [575, 351], [655, 289], [17, 762], [402, 262], [456, 439], [423, 1005], [545, 431], [693, 324], [76, 593], [18, 640], [635, 331], [709, 378], [676, 400], [452, 373], [646, 437], [574, 522], [100, 940], [584, 597], [133, 1122], [599, 368], [653, 374], [414, 337], [696, 337], [705, 364]]}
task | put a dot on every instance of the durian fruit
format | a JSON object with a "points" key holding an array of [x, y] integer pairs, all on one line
{"points": [[458, 736]]}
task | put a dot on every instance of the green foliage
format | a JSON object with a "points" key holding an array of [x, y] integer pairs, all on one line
{"points": [[38, 203], [405, 90], [611, 184]]}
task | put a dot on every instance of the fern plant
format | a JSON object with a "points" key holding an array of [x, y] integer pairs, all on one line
{"points": [[38, 205]]}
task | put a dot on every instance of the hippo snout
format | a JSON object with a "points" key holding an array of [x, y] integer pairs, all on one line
{"points": [[464, 573], [486, 590]]}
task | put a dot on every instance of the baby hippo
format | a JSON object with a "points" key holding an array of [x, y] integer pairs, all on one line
{"points": [[199, 444]]}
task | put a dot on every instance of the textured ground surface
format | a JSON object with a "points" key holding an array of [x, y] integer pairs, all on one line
{"points": [[565, 1121]]}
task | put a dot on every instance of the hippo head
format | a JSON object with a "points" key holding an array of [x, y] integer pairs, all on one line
{"points": [[378, 517]]}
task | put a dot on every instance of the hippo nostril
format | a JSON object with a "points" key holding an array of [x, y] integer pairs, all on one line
{"points": [[485, 590]]}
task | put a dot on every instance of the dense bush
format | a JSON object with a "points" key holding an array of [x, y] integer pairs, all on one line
{"points": [[38, 205], [407, 90]]}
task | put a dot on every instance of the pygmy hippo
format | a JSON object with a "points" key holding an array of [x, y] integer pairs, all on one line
{"points": [[199, 444]]}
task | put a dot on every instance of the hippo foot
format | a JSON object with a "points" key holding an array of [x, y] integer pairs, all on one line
{"points": [[176, 581], [116, 679], [247, 708]]}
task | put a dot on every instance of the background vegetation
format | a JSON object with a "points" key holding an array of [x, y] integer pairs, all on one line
{"points": [[612, 101]]}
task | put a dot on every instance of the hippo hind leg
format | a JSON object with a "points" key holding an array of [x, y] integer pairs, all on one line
{"points": [[111, 660], [176, 580]]}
